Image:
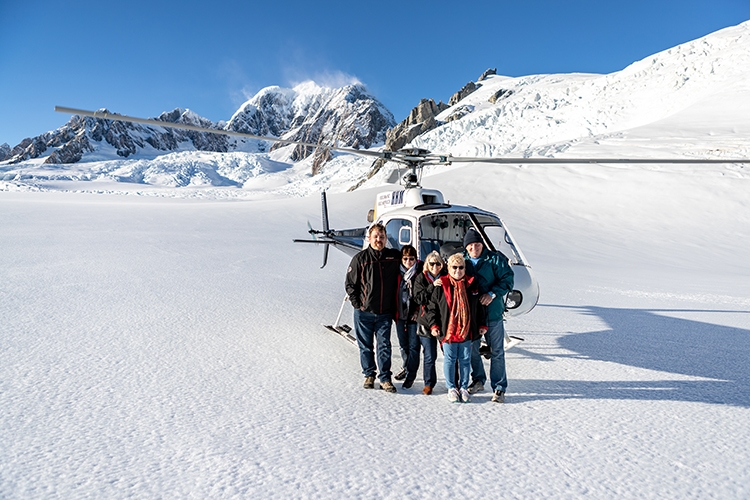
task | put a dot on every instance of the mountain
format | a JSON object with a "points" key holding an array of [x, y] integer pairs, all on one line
{"points": [[555, 115], [348, 116], [98, 139], [689, 101]]}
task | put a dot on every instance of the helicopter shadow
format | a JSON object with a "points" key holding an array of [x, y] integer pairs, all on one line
{"points": [[644, 338]]}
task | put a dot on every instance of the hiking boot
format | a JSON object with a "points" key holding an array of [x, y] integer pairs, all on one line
{"points": [[465, 397], [427, 390], [498, 397], [453, 396], [407, 384], [476, 386], [401, 375], [388, 386], [369, 382]]}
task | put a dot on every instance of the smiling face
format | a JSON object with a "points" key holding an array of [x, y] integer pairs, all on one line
{"points": [[377, 238], [457, 271], [434, 266], [456, 266], [408, 261], [474, 250]]}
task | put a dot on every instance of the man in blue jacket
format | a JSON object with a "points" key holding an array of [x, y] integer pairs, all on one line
{"points": [[495, 281]]}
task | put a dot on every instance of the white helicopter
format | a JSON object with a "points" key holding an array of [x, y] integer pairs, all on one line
{"points": [[421, 217]]}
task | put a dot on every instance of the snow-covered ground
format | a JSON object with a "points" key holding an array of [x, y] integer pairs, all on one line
{"points": [[159, 347], [170, 345]]}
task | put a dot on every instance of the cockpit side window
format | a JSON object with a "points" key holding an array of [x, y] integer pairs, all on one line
{"points": [[499, 238], [399, 233], [445, 232]]}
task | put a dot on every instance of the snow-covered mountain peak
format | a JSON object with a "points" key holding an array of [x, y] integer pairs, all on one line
{"points": [[547, 114]]}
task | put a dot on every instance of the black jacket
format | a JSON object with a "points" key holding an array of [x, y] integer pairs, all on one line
{"points": [[412, 313], [438, 311], [372, 280], [422, 292]]}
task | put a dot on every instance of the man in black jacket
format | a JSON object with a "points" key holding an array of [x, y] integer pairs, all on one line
{"points": [[372, 286]]}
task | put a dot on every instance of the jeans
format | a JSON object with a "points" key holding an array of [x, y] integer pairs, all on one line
{"points": [[495, 337], [407, 340], [429, 344], [461, 352], [368, 327]]}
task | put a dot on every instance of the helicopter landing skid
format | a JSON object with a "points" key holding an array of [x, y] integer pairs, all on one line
{"points": [[511, 341], [343, 330]]}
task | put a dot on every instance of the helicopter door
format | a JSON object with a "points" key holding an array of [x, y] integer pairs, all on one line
{"points": [[399, 232]]}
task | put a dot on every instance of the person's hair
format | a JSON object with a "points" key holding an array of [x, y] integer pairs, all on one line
{"points": [[376, 227], [408, 251], [456, 258], [434, 256]]}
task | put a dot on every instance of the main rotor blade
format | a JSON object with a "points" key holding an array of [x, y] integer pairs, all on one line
{"points": [[531, 161], [406, 156], [184, 126]]}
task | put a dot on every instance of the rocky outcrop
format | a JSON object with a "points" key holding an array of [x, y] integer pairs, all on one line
{"points": [[465, 91], [500, 94], [420, 120], [346, 117], [85, 134], [4, 151], [490, 71]]}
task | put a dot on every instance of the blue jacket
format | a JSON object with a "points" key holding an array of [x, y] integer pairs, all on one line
{"points": [[496, 276]]}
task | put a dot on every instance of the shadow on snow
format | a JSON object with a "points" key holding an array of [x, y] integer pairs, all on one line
{"points": [[645, 339]]}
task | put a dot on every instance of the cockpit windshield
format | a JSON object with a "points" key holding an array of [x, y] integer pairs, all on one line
{"points": [[445, 232]]}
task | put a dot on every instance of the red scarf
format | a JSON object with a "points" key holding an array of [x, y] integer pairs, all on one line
{"points": [[458, 310]]}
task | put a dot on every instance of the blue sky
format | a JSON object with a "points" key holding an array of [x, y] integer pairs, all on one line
{"points": [[144, 57]]}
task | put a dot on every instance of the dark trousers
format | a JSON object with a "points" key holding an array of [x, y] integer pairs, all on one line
{"points": [[407, 341]]}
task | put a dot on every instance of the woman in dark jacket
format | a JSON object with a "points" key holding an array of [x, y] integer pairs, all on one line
{"points": [[406, 319], [456, 318], [434, 269]]}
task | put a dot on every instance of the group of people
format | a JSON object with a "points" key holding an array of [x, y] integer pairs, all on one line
{"points": [[453, 304]]}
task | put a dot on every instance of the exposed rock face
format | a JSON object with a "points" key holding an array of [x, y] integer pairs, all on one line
{"points": [[459, 113], [499, 95], [84, 134], [4, 151], [346, 117], [490, 71], [466, 90], [420, 120]]}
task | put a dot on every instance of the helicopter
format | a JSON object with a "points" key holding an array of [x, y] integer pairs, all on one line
{"points": [[421, 217]]}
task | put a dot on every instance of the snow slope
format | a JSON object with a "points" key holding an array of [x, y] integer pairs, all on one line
{"points": [[158, 347], [170, 345]]}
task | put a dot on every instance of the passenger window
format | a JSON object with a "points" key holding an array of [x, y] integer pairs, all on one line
{"points": [[399, 233]]}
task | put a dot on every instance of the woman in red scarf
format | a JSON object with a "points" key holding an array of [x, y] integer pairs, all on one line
{"points": [[456, 318]]}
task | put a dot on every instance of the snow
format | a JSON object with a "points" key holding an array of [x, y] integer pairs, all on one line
{"points": [[163, 341]]}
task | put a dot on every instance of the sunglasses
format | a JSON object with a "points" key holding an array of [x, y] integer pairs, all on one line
{"points": [[409, 258], [457, 267], [434, 264]]}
